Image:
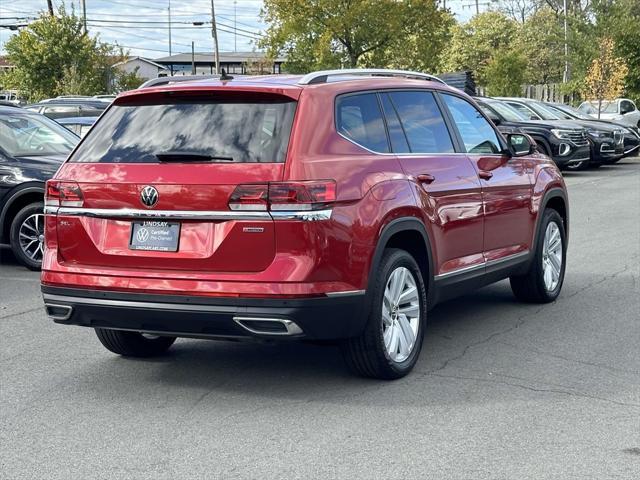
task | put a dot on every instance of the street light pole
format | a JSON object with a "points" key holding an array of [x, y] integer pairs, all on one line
{"points": [[84, 16], [565, 76], [214, 34]]}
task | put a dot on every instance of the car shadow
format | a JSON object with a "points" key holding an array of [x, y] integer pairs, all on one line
{"points": [[293, 370]]}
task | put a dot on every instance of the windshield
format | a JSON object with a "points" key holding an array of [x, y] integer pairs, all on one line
{"points": [[607, 106], [545, 112], [239, 132], [507, 112], [573, 112], [24, 134]]}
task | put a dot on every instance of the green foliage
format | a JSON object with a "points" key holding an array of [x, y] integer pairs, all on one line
{"points": [[124, 81], [319, 34], [505, 74], [474, 44], [541, 41], [53, 56], [620, 20]]}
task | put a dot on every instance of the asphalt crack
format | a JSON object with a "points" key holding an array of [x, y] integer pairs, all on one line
{"points": [[534, 389]]}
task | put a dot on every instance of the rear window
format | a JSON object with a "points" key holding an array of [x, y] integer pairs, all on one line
{"points": [[238, 132]]}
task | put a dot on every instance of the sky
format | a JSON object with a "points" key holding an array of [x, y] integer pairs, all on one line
{"points": [[141, 26]]}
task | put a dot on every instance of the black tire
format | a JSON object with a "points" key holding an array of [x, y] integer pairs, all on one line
{"points": [[14, 235], [367, 355], [530, 287], [133, 344]]}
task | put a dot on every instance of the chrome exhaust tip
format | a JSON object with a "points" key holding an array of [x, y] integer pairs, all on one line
{"points": [[268, 326], [58, 312]]}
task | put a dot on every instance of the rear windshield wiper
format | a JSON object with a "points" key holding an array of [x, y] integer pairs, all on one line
{"points": [[190, 157]]}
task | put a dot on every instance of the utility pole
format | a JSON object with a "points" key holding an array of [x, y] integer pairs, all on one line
{"points": [[477, 7], [84, 16], [566, 45], [214, 34], [50, 7], [170, 53], [193, 59], [235, 26]]}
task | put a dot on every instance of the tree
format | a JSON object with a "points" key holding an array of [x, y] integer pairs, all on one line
{"points": [[605, 78], [53, 56], [505, 74], [519, 10], [541, 41], [474, 44], [124, 81], [317, 34], [621, 21]]}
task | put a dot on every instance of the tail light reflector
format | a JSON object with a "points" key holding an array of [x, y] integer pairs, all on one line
{"points": [[303, 195], [249, 197], [63, 194]]}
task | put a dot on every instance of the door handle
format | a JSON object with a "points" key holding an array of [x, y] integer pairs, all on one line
{"points": [[485, 175], [426, 178]]}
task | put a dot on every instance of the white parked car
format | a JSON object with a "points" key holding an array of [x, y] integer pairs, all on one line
{"points": [[621, 110]]}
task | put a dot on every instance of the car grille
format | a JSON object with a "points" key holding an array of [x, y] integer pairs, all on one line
{"points": [[578, 137], [618, 136]]}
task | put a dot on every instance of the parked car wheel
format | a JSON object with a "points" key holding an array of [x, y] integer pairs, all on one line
{"points": [[26, 235], [391, 342], [133, 344], [543, 282]]}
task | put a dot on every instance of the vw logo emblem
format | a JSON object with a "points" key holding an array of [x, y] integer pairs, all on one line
{"points": [[149, 196], [142, 235]]}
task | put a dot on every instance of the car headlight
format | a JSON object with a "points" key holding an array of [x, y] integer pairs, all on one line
{"points": [[598, 133], [562, 134]]}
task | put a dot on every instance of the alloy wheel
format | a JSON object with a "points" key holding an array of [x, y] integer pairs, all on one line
{"points": [[400, 314], [31, 236], [552, 256]]}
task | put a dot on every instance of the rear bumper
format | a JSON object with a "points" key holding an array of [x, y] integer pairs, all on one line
{"points": [[317, 318]]}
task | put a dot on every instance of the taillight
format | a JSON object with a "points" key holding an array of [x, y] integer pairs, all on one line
{"points": [[304, 195], [301, 195], [249, 197], [63, 194]]}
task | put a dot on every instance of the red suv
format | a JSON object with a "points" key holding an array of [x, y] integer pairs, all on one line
{"points": [[336, 205]]}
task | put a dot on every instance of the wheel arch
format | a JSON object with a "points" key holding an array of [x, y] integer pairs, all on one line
{"points": [[408, 233], [556, 199], [17, 199]]}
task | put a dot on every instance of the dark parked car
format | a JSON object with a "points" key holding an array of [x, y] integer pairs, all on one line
{"points": [[337, 205], [564, 142], [78, 125], [66, 108], [607, 141], [32, 147], [631, 136]]}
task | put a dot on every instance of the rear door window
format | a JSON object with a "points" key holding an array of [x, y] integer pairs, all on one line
{"points": [[358, 118], [476, 132], [422, 122], [207, 131]]}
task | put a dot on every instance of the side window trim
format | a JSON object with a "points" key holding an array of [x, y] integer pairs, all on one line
{"points": [[501, 139], [456, 138], [395, 112], [384, 122]]}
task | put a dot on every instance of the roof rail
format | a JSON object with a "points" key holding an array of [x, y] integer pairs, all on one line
{"points": [[323, 75], [155, 82]]}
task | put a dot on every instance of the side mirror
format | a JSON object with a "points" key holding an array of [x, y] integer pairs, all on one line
{"points": [[521, 144], [625, 108], [533, 116], [496, 120]]}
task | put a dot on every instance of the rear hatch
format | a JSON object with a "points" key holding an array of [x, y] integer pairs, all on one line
{"points": [[150, 186]]}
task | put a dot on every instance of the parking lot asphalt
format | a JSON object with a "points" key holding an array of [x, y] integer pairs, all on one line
{"points": [[502, 390]]}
